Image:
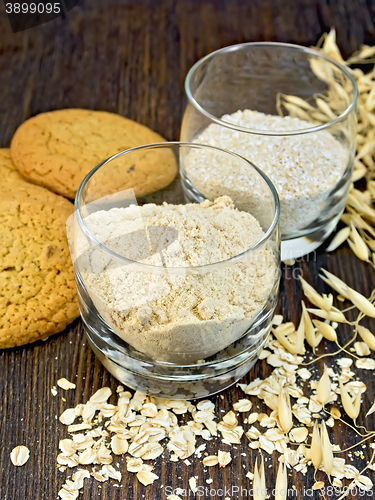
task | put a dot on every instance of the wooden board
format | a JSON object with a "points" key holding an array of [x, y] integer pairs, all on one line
{"points": [[131, 57]]}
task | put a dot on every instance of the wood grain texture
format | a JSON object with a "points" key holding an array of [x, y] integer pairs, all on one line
{"points": [[131, 57]]}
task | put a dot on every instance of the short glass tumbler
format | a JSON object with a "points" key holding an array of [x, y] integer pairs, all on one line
{"points": [[290, 110], [148, 320]]}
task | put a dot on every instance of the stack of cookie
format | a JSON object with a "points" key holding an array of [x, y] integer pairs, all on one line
{"points": [[50, 155]]}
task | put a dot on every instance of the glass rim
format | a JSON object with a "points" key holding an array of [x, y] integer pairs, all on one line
{"points": [[176, 270], [240, 46]]}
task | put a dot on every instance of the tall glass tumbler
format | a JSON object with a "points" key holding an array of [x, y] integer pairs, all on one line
{"points": [[290, 110]]}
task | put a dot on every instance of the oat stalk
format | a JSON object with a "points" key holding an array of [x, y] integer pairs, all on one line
{"points": [[350, 405]]}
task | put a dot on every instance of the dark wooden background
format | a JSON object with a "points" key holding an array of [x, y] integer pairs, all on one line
{"points": [[131, 57]]}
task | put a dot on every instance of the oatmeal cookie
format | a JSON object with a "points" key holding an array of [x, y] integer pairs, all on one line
{"points": [[59, 148], [8, 172], [38, 292]]}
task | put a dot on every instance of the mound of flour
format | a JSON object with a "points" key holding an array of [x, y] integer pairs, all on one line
{"points": [[185, 313]]}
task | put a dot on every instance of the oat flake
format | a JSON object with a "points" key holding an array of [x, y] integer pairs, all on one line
{"points": [[19, 455], [65, 384]]}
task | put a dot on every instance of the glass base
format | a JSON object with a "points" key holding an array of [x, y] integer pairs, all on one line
{"points": [[298, 247], [170, 380], [167, 387]]}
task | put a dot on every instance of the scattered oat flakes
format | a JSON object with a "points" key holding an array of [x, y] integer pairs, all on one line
{"points": [[299, 434], [362, 349], [365, 363], [101, 396], [111, 472], [78, 427], [277, 319], [318, 485], [134, 464], [119, 444], [193, 484], [65, 384], [68, 416], [19, 455], [210, 461], [138, 424], [68, 495], [363, 482], [99, 476], [243, 405], [224, 458], [146, 477]]}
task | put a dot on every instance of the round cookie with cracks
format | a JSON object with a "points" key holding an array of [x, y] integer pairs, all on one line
{"points": [[59, 148], [38, 293]]}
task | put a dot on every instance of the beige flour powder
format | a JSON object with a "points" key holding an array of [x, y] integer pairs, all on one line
{"points": [[304, 168], [185, 314]]}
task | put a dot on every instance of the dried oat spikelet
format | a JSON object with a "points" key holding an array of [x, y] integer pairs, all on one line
{"points": [[312, 339], [281, 335], [298, 101], [371, 243], [367, 336], [335, 413], [316, 447], [259, 481], [326, 330], [357, 244], [357, 402], [334, 282], [371, 410], [285, 411], [299, 345], [322, 301], [281, 488], [330, 46], [359, 223], [328, 300], [332, 315], [363, 304], [351, 406], [327, 452], [323, 106], [284, 341], [359, 173], [323, 389]]}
